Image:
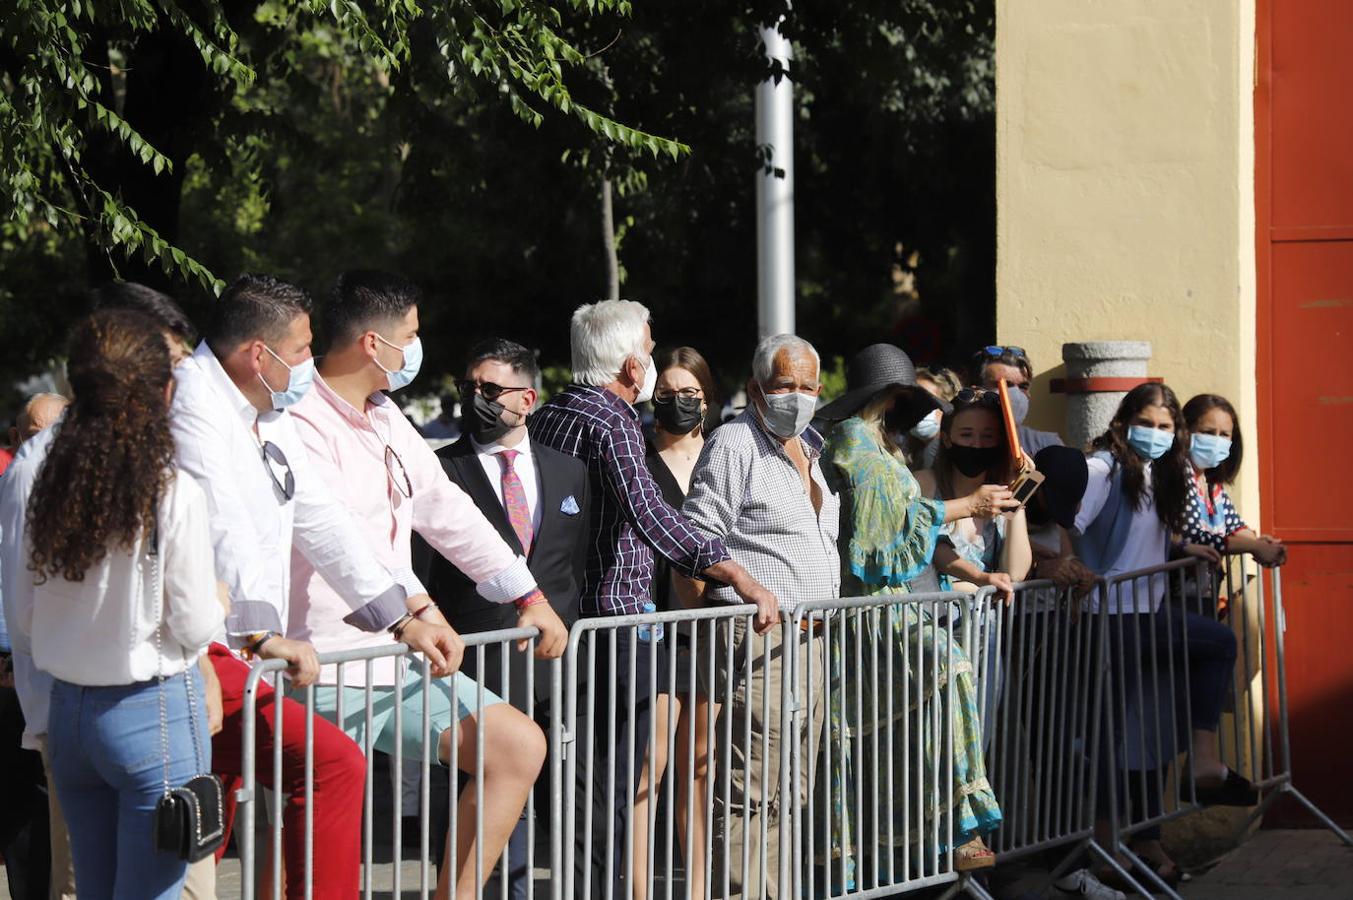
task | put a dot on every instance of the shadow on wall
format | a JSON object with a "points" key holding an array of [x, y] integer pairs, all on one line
{"points": [[1047, 411]]}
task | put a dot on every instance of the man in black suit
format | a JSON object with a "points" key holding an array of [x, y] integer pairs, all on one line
{"points": [[537, 499]]}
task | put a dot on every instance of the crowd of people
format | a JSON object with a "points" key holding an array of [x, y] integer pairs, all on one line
{"points": [[191, 508]]}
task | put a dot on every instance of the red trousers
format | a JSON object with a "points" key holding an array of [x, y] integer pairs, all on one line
{"points": [[340, 774]]}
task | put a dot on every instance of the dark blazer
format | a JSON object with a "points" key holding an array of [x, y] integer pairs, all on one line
{"points": [[558, 553]]}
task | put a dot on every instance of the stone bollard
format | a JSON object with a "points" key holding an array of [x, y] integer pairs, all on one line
{"points": [[1091, 402]]}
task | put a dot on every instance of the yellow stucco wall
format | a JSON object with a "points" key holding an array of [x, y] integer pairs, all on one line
{"points": [[1125, 192]]}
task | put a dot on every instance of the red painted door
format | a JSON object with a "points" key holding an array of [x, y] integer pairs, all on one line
{"points": [[1304, 200]]}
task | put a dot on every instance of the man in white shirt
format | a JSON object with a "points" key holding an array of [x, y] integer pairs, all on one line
{"points": [[235, 436], [387, 476]]}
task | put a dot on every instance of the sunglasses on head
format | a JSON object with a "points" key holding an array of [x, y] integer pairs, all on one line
{"points": [[995, 351], [487, 389], [976, 396]]}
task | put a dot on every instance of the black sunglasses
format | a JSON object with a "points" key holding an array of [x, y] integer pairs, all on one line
{"points": [[977, 396], [274, 457], [400, 477], [487, 389]]}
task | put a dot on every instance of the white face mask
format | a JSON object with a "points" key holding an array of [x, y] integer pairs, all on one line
{"points": [[787, 415], [928, 427], [650, 381]]}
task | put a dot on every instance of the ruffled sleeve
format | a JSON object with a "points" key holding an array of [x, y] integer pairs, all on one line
{"points": [[893, 528]]}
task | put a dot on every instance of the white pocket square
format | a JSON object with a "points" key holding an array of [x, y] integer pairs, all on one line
{"points": [[569, 507]]}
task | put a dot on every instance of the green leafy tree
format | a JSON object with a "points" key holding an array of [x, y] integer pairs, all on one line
{"points": [[104, 105]]}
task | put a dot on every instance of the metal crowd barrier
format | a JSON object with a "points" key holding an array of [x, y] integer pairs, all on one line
{"points": [[640, 690], [366, 659], [692, 758], [1036, 659], [881, 817], [1250, 597]]}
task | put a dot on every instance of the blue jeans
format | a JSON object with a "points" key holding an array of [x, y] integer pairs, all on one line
{"points": [[107, 759]]}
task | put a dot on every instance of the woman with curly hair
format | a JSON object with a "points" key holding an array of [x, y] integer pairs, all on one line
{"points": [[121, 602]]}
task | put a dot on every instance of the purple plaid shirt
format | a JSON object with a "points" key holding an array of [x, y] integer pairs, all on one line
{"points": [[630, 521]]}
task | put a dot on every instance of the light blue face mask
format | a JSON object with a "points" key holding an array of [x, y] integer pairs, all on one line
{"points": [[298, 381], [413, 360], [1150, 443], [928, 427], [1209, 450]]}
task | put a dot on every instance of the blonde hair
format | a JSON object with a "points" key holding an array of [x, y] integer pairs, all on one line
{"points": [[945, 379], [872, 413]]}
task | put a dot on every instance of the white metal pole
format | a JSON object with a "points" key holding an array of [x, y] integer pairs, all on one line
{"points": [[775, 194]]}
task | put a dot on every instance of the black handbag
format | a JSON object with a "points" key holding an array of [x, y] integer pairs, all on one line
{"points": [[189, 820]]}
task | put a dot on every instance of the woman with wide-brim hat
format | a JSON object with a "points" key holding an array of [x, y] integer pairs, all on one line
{"points": [[888, 536]]}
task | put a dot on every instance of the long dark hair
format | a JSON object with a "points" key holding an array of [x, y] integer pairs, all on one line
{"points": [[1170, 482], [1201, 405], [972, 398], [113, 455]]}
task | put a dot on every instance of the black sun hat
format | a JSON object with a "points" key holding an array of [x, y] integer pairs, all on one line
{"points": [[878, 368]]}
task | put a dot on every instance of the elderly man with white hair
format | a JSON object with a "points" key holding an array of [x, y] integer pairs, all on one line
{"points": [[759, 488], [594, 420]]}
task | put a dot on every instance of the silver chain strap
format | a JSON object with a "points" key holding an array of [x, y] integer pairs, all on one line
{"points": [[158, 588]]}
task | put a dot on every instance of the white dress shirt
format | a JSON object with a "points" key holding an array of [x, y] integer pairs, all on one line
{"points": [[525, 467], [33, 685], [254, 526], [102, 630]]}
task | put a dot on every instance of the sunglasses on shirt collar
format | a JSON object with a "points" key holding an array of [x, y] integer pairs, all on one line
{"points": [[275, 461], [487, 389]]}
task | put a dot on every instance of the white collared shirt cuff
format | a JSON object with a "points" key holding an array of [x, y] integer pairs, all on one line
{"points": [[513, 583], [409, 581]]}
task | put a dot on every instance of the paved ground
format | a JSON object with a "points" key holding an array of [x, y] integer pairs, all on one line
{"points": [[1274, 865], [1292, 865]]}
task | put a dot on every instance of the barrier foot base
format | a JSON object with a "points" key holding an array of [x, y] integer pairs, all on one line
{"points": [[1068, 860], [973, 888], [1150, 873], [1257, 813], [1112, 862], [1319, 814]]}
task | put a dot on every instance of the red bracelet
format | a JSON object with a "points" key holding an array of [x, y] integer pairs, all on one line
{"points": [[424, 608], [535, 597]]}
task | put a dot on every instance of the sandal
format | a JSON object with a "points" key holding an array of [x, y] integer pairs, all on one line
{"points": [[972, 856], [1234, 790]]}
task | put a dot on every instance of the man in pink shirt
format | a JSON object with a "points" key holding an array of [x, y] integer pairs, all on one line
{"points": [[376, 463]]}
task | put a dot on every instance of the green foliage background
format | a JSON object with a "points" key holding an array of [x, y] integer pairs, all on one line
{"points": [[463, 143]]}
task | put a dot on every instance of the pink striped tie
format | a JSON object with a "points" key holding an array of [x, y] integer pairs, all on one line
{"points": [[514, 500]]}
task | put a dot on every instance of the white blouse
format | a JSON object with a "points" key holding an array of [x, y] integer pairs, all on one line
{"points": [[101, 630]]}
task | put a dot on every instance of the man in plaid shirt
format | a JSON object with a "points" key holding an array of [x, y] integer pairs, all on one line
{"points": [[594, 420]]}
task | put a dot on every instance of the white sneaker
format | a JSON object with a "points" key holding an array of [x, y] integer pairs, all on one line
{"points": [[1084, 884]]}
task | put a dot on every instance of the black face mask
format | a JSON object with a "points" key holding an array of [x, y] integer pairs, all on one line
{"points": [[483, 419], [973, 461], [678, 414]]}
